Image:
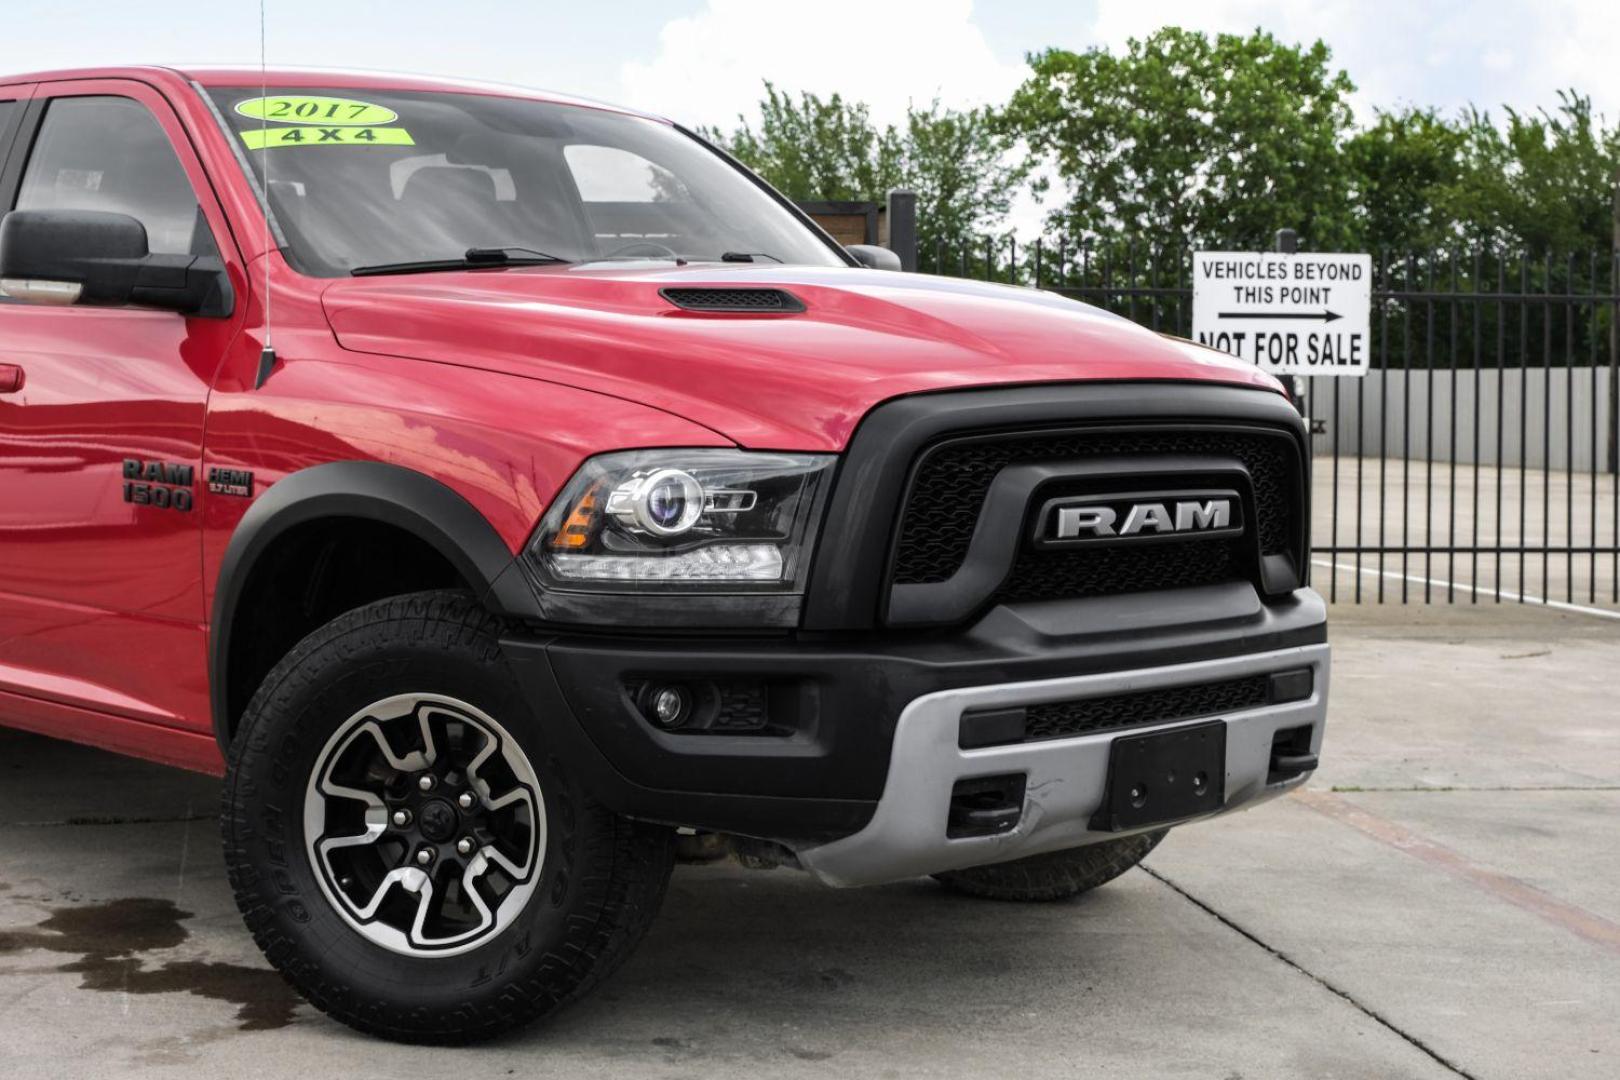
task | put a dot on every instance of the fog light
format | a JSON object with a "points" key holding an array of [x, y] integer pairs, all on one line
{"points": [[670, 706]]}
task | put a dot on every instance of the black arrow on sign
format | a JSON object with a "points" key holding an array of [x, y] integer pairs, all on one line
{"points": [[1326, 316]]}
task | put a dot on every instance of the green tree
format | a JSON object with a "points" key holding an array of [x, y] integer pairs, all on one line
{"points": [[813, 148], [1185, 138], [958, 163], [962, 168], [1400, 169], [1544, 182]]}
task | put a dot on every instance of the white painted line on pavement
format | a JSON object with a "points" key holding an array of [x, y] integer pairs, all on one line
{"points": [[1440, 583]]}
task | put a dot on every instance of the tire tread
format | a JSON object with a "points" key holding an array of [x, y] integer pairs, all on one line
{"points": [[624, 870]]}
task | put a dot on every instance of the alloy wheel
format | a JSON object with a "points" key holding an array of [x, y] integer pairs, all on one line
{"points": [[424, 822]]}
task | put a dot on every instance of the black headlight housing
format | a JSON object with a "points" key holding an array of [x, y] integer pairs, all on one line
{"points": [[693, 538]]}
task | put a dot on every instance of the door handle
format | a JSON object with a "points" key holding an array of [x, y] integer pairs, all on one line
{"points": [[11, 378]]}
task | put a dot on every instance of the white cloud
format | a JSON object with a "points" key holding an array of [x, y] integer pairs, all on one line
{"points": [[1576, 46], [1362, 41], [1445, 53], [712, 65], [709, 66]]}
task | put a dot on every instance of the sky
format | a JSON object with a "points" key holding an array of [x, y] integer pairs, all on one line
{"points": [[704, 61]]}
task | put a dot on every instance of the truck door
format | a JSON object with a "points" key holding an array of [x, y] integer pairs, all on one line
{"points": [[101, 598]]}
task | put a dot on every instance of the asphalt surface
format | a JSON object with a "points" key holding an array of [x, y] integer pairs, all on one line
{"points": [[1443, 900]]}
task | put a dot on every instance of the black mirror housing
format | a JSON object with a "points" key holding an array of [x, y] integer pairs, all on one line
{"points": [[873, 257], [97, 258]]}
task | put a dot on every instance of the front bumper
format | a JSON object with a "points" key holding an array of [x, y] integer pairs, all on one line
{"points": [[1065, 778], [846, 773]]}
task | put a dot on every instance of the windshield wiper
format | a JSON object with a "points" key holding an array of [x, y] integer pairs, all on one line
{"points": [[746, 256], [511, 254], [475, 258]]}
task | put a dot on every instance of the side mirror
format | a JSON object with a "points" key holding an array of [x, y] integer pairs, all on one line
{"points": [[95, 258], [873, 257]]}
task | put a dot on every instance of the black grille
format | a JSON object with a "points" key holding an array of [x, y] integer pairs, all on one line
{"points": [[1064, 719], [1046, 575], [733, 299], [949, 487]]}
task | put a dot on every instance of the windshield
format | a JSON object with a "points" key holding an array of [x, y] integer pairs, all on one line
{"points": [[366, 179]]}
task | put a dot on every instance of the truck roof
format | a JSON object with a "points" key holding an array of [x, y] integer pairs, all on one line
{"points": [[323, 78]]}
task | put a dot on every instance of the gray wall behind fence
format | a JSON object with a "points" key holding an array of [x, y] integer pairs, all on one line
{"points": [[1398, 411]]}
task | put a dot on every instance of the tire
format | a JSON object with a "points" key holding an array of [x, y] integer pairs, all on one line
{"points": [[1056, 875], [549, 894]]}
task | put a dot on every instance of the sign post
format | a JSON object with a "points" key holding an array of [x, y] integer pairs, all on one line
{"points": [[1292, 314]]}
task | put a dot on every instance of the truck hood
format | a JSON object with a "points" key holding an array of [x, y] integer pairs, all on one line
{"points": [[798, 381]]}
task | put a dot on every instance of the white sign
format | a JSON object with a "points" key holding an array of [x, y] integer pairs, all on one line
{"points": [[1300, 314]]}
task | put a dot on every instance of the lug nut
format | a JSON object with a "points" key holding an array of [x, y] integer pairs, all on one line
{"points": [[465, 845], [425, 782], [424, 856], [465, 800], [402, 818]]}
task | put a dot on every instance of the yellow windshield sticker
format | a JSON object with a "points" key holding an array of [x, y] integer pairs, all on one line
{"points": [[270, 138], [307, 109]]}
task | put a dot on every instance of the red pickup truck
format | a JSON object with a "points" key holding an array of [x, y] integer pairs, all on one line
{"points": [[491, 485]]}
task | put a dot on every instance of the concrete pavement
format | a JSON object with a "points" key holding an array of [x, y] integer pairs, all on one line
{"points": [[1442, 901]]}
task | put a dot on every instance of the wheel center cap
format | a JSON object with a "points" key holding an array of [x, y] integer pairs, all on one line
{"points": [[437, 820]]}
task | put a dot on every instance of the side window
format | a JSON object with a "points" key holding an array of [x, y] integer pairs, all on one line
{"points": [[8, 115], [109, 153]]}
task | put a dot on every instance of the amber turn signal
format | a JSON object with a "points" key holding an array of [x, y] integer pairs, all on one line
{"points": [[581, 522]]}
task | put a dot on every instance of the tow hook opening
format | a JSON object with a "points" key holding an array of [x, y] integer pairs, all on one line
{"points": [[986, 805], [1291, 754]]}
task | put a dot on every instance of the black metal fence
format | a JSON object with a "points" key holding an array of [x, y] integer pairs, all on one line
{"points": [[1477, 459]]}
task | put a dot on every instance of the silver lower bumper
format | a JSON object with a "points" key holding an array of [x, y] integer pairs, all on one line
{"points": [[1066, 777]]}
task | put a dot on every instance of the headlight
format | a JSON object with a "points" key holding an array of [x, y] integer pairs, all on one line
{"points": [[684, 520]]}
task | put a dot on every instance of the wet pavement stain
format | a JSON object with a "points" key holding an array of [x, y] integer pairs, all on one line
{"points": [[106, 940]]}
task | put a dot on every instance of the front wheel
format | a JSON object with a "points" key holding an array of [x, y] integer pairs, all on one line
{"points": [[1055, 875], [403, 848]]}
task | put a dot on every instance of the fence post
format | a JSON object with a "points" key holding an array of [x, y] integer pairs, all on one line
{"points": [[903, 228], [1286, 242], [1614, 338], [1614, 345]]}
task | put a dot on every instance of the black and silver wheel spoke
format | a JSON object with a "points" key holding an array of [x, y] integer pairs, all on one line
{"points": [[425, 825]]}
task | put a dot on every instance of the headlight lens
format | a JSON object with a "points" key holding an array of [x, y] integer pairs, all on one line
{"points": [[698, 520], [666, 503]]}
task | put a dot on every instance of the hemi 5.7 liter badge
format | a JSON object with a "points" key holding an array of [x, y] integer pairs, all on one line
{"points": [[1142, 516], [237, 482]]}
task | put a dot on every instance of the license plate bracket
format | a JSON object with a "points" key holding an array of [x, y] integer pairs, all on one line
{"points": [[1164, 776]]}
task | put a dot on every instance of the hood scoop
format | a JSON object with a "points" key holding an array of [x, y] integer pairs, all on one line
{"points": [[729, 299]]}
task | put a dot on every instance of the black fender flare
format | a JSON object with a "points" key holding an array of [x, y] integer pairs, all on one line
{"points": [[377, 491]]}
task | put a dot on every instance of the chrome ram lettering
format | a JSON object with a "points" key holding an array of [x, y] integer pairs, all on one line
{"points": [[1214, 514], [1122, 518], [1074, 520]]}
